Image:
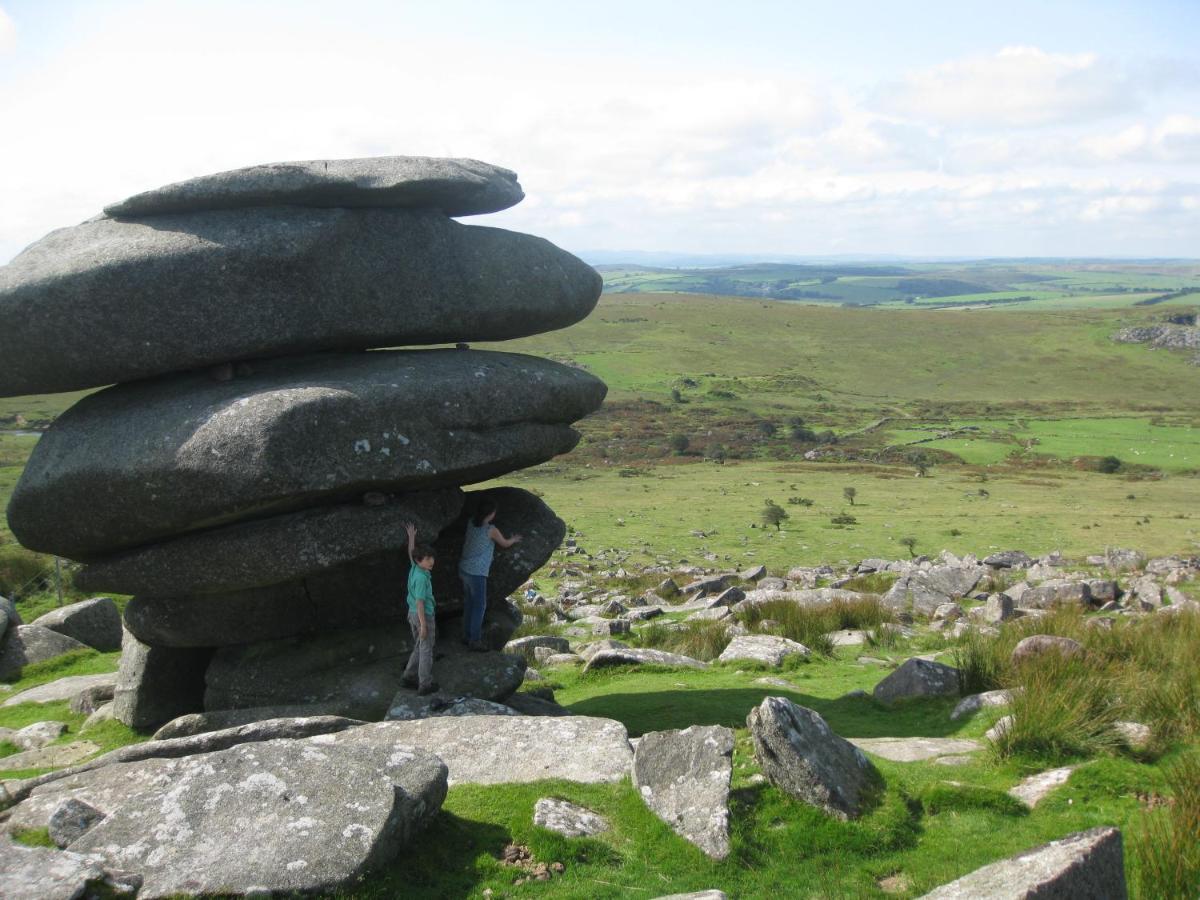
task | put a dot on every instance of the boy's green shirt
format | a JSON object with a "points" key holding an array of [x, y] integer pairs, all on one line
{"points": [[420, 587]]}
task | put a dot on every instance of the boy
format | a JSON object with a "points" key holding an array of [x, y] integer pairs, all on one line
{"points": [[419, 671]]}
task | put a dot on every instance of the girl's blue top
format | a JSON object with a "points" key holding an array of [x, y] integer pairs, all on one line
{"points": [[477, 550]]}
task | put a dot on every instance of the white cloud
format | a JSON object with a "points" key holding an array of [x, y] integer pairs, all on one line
{"points": [[1015, 87], [8, 32]]}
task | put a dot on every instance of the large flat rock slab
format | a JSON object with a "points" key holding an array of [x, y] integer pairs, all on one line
{"points": [[184, 824], [114, 300], [640, 656], [269, 551], [38, 873], [137, 463], [62, 689], [358, 670], [915, 749], [1087, 864], [510, 749], [95, 622], [683, 777], [1032, 790], [457, 187], [916, 678]]}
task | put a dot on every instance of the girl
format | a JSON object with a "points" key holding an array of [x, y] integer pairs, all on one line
{"points": [[481, 540]]}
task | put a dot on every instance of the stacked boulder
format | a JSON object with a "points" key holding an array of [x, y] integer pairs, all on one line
{"points": [[248, 475]]}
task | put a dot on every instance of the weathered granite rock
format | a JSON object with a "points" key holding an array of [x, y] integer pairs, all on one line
{"points": [[567, 819], [915, 749], [140, 462], [37, 735], [918, 678], [800, 754], [1037, 644], [525, 646], [71, 820], [1032, 790], [95, 622], [1008, 559], [529, 704], [110, 301], [89, 699], [457, 187], [922, 591], [28, 644], [183, 823], [62, 689], [587, 651], [225, 719], [1059, 592], [1000, 728], [683, 777], [975, 702], [1123, 560], [764, 648], [156, 684], [359, 669], [813, 598], [38, 873], [408, 705], [640, 656], [1085, 864], [356, 594], [998, 608], [509, 749], [270, 551]]}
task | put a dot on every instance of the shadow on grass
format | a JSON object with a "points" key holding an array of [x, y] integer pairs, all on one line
{"points": [[850, 717]]}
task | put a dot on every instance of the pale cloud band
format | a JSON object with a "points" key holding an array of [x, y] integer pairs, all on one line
{"points": [[1018, 151]]}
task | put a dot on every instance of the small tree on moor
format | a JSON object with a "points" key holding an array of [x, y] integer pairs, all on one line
{"points": [[850, 493], [773, 514]]}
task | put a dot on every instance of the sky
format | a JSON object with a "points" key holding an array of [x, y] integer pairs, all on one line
{"points": [[818, 129]]}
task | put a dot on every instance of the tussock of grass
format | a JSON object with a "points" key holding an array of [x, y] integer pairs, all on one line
{"points": [[537, 620], [1167, 847], [703, 640], [810, 626], [874, 583], [33, 837], [938, 798], [1141, 670], [84, 661]]}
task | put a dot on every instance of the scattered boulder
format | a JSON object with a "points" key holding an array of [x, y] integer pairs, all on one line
{"points": [[1085, 864], [683, 777], [458, 187], [38, 735], [763, 648], [1135, 734], [640, 656], [528, 703], [1057, 592], [91, 698], [587, 651], [918, 677], [71, 820], [567, 819], [800, 754], [562, 659], [998, 608], [1037, 644], [1123, 560], [27, 644], [1103, 590], [1000, 728], [975, 702], [1008, 559], [95, 622], [225, 719], [754, 573], [50, 756], [922, 591], [528, 646], [409, 705]]}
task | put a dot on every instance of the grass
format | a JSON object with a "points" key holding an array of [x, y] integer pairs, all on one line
{"points": [[1167, 847], [811, 625], [702, 640]]}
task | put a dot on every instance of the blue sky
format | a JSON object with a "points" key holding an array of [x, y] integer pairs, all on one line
{"points": [[907, 128]]}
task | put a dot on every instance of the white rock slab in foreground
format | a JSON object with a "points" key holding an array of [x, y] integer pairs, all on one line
{"points": [[1086, 864], [568, 819], [683, 777], [509, 749], [640, 656], [914, 749]]}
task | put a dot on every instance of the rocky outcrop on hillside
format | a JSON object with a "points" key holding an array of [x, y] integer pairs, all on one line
{"points": [[1164, 336], [248, 475]]}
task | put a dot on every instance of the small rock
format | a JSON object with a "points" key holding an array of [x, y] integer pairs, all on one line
{"points": [[1037, 644], [1000, 728], [38, 735], [762, 648], [71, 820], [976, 702], [568, 819], [918, 678]]}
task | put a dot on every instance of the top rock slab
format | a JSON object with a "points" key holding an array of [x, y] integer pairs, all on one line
{"points": [[457, 187]]}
